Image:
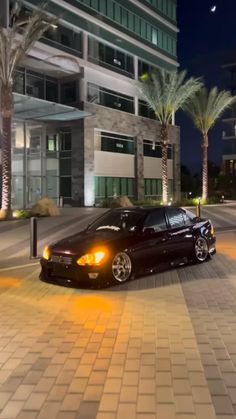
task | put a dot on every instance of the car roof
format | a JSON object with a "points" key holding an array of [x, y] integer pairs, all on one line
{"points": [[143, 208]]}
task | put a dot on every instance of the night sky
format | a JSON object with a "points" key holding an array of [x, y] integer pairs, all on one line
{"points": [[205, 41]]}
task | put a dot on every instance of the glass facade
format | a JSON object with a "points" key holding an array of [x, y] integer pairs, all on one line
{"points": [[109, 98], [41, 164], [153, 188], [144, 110], [166, 7], [65, 167], [110, 58], [110, 187], [135, 23], [32, 83], [66, 39]]}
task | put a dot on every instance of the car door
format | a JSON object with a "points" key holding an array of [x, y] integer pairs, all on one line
{"points": [[179, 232], [154, 240]]}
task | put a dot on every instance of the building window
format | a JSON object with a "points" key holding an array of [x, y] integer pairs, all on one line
{"points": [[65, 186], [69, 92], [145, 110], [51, 90], [52, 142], [131, 21], [110, 58], [65, 39], [65, 141], [36, 85], [110, 187], [110, 99], [153, 188], [153, 149], [19, 81], [166, 7], [144, 68], [114, 143]]}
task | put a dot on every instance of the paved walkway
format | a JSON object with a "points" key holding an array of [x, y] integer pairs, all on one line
{"points": [[161, 347]]}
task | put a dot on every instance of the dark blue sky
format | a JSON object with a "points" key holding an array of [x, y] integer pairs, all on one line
{"points": [[204, 42]]}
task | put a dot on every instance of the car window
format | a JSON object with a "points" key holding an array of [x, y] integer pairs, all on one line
{"points": [[156, 220], [176, 218], [117, 220], [188, 217]]}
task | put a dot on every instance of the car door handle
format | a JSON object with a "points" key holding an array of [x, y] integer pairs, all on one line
{"points": [[164, 239]]}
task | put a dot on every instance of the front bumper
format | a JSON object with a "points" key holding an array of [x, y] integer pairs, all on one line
{"points": [[59, 273]]}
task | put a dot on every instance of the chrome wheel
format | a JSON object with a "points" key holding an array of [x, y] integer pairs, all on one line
{"points": [[201, 249], [121, 267]]}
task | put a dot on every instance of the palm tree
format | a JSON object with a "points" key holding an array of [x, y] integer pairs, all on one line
{"points": [[165, 93], [15, 41], [205, 108]]}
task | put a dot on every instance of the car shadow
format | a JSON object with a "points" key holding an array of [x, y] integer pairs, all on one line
{"points": [[218, 266]]}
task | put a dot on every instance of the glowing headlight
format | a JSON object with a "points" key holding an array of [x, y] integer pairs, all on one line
{"points": [[46, 253], [212, 230], [91, 259]]}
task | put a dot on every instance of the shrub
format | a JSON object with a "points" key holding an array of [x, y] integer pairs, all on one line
{"points": [[121, 201], [21, 213], [45, 207]]}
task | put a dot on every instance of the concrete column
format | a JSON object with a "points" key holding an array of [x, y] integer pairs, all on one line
{"points": [[89, 169], [136, 67], [77, 164], [139, 168], [136, 105], [85, 46], [136, 78], [43, 158], [4, 13]]}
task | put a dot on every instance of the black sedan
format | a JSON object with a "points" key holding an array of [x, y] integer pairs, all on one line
{"points": [[126, 242]]}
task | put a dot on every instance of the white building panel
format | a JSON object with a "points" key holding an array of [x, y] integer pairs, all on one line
{"points": [[152, 168], [114, 164]]}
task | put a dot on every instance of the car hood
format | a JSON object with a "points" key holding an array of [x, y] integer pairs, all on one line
{"points": [[84, 241]]}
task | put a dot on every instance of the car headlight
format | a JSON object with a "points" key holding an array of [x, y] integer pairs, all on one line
{"points": [[46, 253], [92, 259], [212, 230]]}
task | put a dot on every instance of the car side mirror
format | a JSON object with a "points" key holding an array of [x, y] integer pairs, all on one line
{"points": [[148, 231]]}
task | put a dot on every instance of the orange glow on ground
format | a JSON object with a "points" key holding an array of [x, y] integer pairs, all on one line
{"points": [[9, 282], [225, 245]]}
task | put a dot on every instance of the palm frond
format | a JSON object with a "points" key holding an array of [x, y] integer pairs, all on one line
{"points": [[165, 92], [205, 108], [14, 44]]}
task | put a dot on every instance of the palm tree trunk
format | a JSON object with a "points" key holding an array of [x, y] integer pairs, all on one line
{"points": [[164, 161], [205, 167], [7, 107]]}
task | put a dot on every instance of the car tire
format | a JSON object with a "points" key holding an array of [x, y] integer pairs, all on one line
{"points": [[201, 250], [121, 267]]}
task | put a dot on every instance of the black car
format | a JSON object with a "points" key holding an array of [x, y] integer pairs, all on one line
{"points": [[126, 242]]}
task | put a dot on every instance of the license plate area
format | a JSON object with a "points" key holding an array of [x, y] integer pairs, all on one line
{"points": [[62, 260], [60, 270]]}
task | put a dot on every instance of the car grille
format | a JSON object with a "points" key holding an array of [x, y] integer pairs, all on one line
{"points": [[66, 260]]}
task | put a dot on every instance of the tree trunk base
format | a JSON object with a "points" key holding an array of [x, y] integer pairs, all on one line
{"points": [[5, 214]]}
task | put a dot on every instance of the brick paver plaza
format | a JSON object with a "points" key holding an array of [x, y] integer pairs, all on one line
{"points": [[160, 347]]}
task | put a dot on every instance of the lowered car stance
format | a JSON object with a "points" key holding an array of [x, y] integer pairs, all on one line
{"points": [[128, 242]]}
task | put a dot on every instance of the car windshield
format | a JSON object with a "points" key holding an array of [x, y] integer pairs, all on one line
{"points": [[117, 221]]}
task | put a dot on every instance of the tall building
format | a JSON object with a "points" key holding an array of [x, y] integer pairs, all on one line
{"points": [[229, 134], [80, 131]]}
